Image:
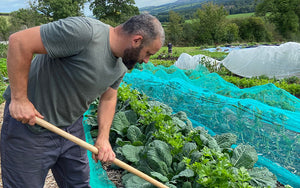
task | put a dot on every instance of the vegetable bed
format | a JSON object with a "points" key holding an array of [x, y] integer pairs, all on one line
{"points": [[149, 136]]}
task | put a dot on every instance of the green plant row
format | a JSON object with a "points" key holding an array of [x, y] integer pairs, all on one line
{"points": [[291, 85], [149, 136]]}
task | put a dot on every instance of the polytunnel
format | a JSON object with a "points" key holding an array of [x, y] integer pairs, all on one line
{"points": [[272, 61]]}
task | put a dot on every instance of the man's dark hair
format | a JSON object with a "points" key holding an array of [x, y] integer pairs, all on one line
{"points": [[145, 25]]}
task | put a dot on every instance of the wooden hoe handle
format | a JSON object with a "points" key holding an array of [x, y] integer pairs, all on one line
{"points": [[94, 150]]}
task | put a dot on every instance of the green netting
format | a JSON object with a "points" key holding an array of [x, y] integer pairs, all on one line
{"points": [[265, 117], [98, 176]]}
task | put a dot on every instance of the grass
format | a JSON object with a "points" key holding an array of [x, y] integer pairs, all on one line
{"points": [[231, 16], [244, 15]]}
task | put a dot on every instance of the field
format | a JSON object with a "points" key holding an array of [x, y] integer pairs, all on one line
{"points": [[245, 15]]}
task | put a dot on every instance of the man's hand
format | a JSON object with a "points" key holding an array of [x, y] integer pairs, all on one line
{"points": [[105, 152], [24, 111]]}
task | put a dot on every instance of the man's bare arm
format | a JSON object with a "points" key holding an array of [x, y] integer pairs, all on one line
{"points": [[22, 46], [106, 112]]}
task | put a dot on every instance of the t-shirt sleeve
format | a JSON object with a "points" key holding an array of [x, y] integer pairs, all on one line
{"points": [[118, 82], [66, 37]]}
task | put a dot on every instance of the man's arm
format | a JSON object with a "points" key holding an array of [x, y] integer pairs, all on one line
{"points": [[106, 112], [22, 46]]}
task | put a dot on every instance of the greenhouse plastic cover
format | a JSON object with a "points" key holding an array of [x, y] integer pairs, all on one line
{"points": [[265, 117], [273, 61], [186, 61]]}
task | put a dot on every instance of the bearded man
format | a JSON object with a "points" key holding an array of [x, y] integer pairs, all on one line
{"points": [[76, 60]]}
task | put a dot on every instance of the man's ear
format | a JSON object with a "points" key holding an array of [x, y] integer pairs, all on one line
{"points": [[137, 40]]}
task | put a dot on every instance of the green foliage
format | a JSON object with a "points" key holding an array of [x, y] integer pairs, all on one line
{"points": [[291, 85], [244, 155], [114, 11], [226, 140], [210, 21], [58, 9], [148, 136], [284, 14], [252, 29], [3, 51], [25, 18], [4, 28], [3, 84], [262, 177], [174, 30]]}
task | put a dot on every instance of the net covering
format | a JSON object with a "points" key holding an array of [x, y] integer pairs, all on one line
{"points": [[265, 117]]}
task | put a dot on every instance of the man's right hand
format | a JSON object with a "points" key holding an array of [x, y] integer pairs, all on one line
{"points": [[24, 111]]}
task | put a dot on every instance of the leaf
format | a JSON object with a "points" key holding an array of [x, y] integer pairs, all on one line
{"points": [[159, 176], [133, 181], [226, 140], [120, 123], [188, 148], [159, 157], [244, 155], [131, 153], [187, 185], [262, 177], [162, 151], [121, 143], [134, 134], [131, 116], [94, 133], [187, 173], [165, 108]]}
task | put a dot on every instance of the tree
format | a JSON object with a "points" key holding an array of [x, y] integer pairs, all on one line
{"points": [[285, 14], [174, 31], [57, 9], [4, 28], [210, 23], [115, 11], [25, 18], [253, 29]]}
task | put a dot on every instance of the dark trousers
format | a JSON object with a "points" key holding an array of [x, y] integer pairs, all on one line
{"points": [[26, 157]]}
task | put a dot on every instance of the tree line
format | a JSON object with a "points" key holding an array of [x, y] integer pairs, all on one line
{"points": [[274, 20]]}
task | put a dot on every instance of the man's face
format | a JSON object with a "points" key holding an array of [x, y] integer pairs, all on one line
{"points": [[140, 54], [130, 57]]}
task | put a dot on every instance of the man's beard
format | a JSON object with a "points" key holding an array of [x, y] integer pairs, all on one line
{"points": [[131, 57]]}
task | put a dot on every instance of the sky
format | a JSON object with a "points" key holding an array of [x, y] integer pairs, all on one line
{"points": [[7, 6]]}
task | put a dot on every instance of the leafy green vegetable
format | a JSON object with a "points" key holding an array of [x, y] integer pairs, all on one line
{"points": [[167, 147], [226, 140], [132, 153], [262, 177], [244, 155], [120, 123]]}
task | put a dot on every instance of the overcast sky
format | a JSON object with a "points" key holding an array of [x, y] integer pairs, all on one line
{"points": [[7, 6]]}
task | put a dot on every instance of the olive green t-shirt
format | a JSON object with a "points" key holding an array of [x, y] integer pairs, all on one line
{"points": [[78, 68]]}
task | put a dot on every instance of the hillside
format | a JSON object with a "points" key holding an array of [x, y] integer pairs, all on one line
{"points": [[187, 8]]}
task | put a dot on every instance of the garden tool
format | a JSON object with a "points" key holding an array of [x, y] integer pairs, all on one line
{"points": [[94, 150]]}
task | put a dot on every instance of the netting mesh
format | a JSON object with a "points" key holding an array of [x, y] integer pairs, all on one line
{"points": [[98, 176], [265, 117]]}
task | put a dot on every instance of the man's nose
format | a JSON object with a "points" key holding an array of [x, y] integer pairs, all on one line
{"points": [[146, 59]]}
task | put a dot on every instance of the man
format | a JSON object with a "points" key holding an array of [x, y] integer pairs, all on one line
{"points": [[77, 59]]}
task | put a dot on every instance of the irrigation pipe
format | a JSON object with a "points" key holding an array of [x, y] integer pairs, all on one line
{"points": [[94, 150]]}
